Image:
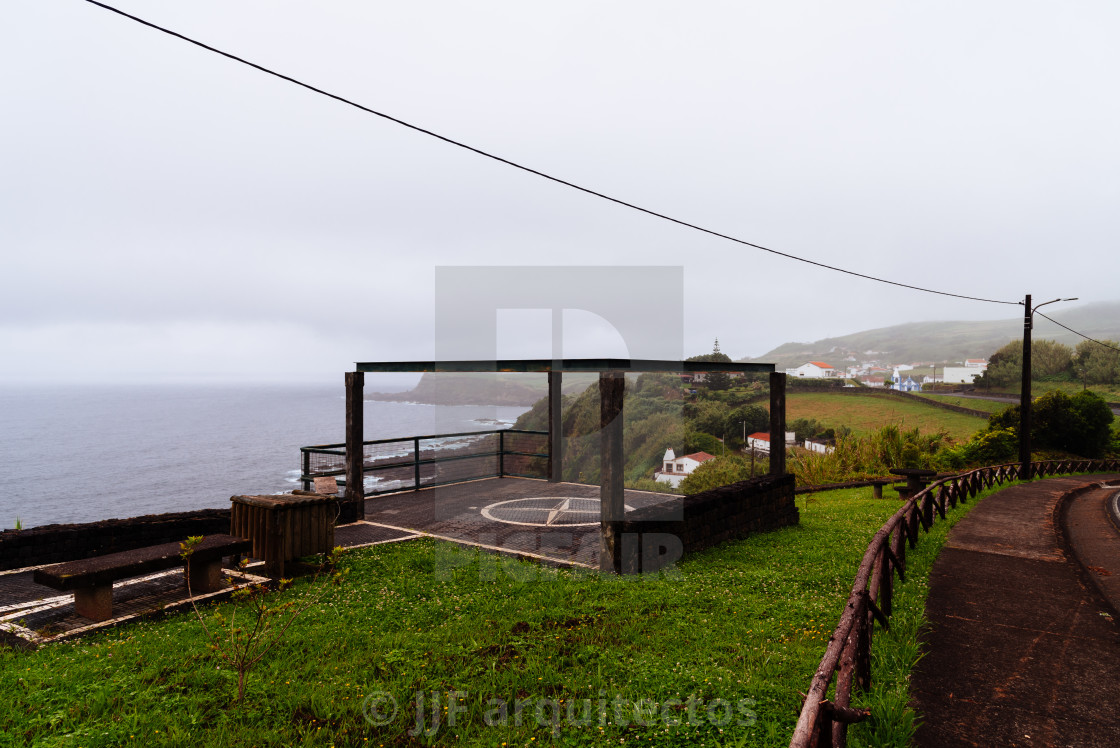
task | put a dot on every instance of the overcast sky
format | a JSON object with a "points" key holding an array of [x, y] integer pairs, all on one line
{"points": [[166, 213]]}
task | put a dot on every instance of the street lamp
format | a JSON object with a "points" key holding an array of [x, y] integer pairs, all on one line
{"points": [[1025, 390]]}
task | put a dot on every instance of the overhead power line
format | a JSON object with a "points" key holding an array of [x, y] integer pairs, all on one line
{"points": [[1075, 332], [530, 170]]}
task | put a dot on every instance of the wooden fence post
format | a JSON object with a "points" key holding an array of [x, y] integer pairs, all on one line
{"points": [[555, 428], [777, 423], [612, 388]]}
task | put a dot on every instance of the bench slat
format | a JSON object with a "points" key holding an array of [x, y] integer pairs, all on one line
{"points": [[102, 570]]}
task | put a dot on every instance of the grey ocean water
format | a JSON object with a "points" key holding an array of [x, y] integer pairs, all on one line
{"points": [[86, 453]]}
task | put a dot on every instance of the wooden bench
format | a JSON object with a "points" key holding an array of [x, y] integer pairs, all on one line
{"points": [[91, 579], [877, 486]]}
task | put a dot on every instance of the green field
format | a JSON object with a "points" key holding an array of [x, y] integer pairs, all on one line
{"points": [[865, 414], [715, 655], [991, 406]]}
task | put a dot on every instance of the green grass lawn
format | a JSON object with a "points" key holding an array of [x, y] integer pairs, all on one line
{"points": [[864, 415], [713, 655]]}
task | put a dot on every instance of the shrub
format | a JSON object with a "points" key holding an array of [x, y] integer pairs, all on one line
{"points": [[721, 471], [1078, 424]]}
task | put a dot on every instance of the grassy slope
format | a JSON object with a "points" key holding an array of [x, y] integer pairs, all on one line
{"points": [[866, 414], [748, 620]]}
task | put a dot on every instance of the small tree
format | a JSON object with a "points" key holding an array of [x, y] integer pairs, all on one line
{"points": [[714, 380], [1080, 424], [721, 471], [1097, 364], [268, 620], [1050, 358], [751, 418]]}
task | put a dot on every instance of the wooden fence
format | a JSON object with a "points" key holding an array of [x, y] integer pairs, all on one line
{"points": [[824, 723]]}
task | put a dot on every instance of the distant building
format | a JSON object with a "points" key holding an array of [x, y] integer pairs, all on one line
{"points": [[908, 385], [960, 374], [675, 469], [814, 445], [873, 381], [976, 363], [760, 441], [813, 370], [904, 385]]}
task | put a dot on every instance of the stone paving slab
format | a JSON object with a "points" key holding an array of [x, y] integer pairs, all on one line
{"points": [[456, 512], [1021, 650]]}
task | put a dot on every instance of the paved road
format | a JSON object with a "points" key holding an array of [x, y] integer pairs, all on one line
{"points": [[1024, 639], [1012, 400]]}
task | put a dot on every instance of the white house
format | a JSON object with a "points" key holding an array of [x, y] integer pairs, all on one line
{"points": [[961, 374], [760, 440], [976, 363], [813, 370], [817, 446], [675, 469]]}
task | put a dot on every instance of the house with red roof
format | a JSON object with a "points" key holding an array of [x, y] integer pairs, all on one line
{"points": [[813, 370], [675, 469], [759, 441]]}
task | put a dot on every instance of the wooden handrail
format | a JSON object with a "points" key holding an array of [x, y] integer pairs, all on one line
{"points": [[824, 724]]}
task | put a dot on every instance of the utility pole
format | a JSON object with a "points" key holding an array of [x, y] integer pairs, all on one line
{"points": [[1025, 393]]}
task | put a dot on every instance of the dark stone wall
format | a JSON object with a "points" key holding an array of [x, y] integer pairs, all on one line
{"points": [[50, 544], [716, 516]]}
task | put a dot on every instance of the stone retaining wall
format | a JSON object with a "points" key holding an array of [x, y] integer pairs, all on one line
{"points": [[51, 544]]}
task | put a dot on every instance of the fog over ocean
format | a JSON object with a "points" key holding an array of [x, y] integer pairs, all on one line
{"points": [[86, 453]]}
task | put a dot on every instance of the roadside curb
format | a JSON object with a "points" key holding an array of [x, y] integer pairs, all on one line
{"points": [[1090, 535]]}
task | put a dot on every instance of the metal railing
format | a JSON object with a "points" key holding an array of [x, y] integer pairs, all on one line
{"points": [[823, 723], [409, 463]]}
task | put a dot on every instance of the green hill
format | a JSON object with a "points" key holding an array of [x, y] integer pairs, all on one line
{"points": [[483, 388], [949, 341]]}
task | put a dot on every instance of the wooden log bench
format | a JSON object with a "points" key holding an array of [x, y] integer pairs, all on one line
{"points": [[91, 579]]}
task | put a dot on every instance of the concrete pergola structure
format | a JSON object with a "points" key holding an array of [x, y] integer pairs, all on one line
{"points": [[612, 373]]}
